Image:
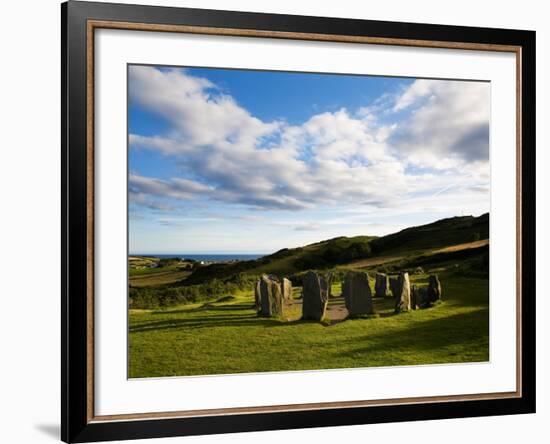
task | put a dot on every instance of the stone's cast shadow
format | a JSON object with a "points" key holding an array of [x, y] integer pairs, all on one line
{"points": [[239, 320], [224, 320], [208, 306]]}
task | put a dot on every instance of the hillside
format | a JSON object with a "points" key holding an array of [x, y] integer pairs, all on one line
{"points": [[342, 251], [442, 233]]}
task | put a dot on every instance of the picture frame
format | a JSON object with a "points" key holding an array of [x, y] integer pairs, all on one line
{"points": [[80, 21]]}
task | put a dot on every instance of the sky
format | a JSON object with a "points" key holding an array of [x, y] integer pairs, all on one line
{"points": [[244, 161]]}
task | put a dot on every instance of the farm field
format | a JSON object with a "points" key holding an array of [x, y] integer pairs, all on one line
{"points": [[158, 278]]}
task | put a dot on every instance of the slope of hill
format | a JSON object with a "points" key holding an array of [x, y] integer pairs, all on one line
{"points": [[444, 232], [346, 250]]}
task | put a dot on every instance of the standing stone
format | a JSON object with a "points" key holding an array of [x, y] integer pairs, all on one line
{"points": [[419, 297], [381, 285], [314, 297], [326, 284], [434, 289], [423, 301], [287, 289], [271, 296], [414, 297], [257, 295], [357, 293], [393, 286], [402, 293]]}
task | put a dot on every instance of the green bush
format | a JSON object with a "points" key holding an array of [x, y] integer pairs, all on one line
{"points": [[357, 250], [178, 294]]}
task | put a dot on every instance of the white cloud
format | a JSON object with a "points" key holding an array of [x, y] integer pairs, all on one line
{"points": [[200, 113], [449, 124], [334, 158], [177, 188], [420, 88]]}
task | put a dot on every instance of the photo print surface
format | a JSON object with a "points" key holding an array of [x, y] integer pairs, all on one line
{"points": [[283, 221]]}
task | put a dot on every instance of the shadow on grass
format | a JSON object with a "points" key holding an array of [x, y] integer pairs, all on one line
{"points": [[234, 307], [198, 322], [207, 307], [223, 320], [460, 329]]}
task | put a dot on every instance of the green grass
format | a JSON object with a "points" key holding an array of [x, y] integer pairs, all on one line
{"points": [[228, 337], [220, 336]]}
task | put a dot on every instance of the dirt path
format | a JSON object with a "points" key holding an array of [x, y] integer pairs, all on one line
{"points": [[380, 260], [336, 310], [465, 246]]}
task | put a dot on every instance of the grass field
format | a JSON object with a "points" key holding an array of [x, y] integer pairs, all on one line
{"points": [[188, 318], [228, 337]]}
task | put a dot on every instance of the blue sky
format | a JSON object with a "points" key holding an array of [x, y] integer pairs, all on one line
{"points": [[236, 161]]}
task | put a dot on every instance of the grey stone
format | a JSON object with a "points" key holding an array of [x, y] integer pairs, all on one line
{"points": [[357, 293], [414, 297], [314, 297], [271, 296], [381, 285], [423, 300], [326, 284], [257, 295], [419, 297], [287, 289], [393, 286], [434, 289], [401, 290]]}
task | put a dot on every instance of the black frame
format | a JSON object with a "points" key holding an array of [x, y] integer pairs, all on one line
{"points": [[75, 426]]}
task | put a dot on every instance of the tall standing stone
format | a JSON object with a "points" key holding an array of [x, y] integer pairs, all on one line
{"points": [[314, 297], [394, 286], [434, 289], [257, 295], [402, 293], [381, 285], [326, 284], [357, 293], [414, 297], [271, 296], [287, 289]]}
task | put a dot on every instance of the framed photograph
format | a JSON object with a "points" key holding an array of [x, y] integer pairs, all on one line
{"points": [[275, 221]]}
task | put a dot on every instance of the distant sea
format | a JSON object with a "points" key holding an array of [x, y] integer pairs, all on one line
{"points": [[208, 257]]}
